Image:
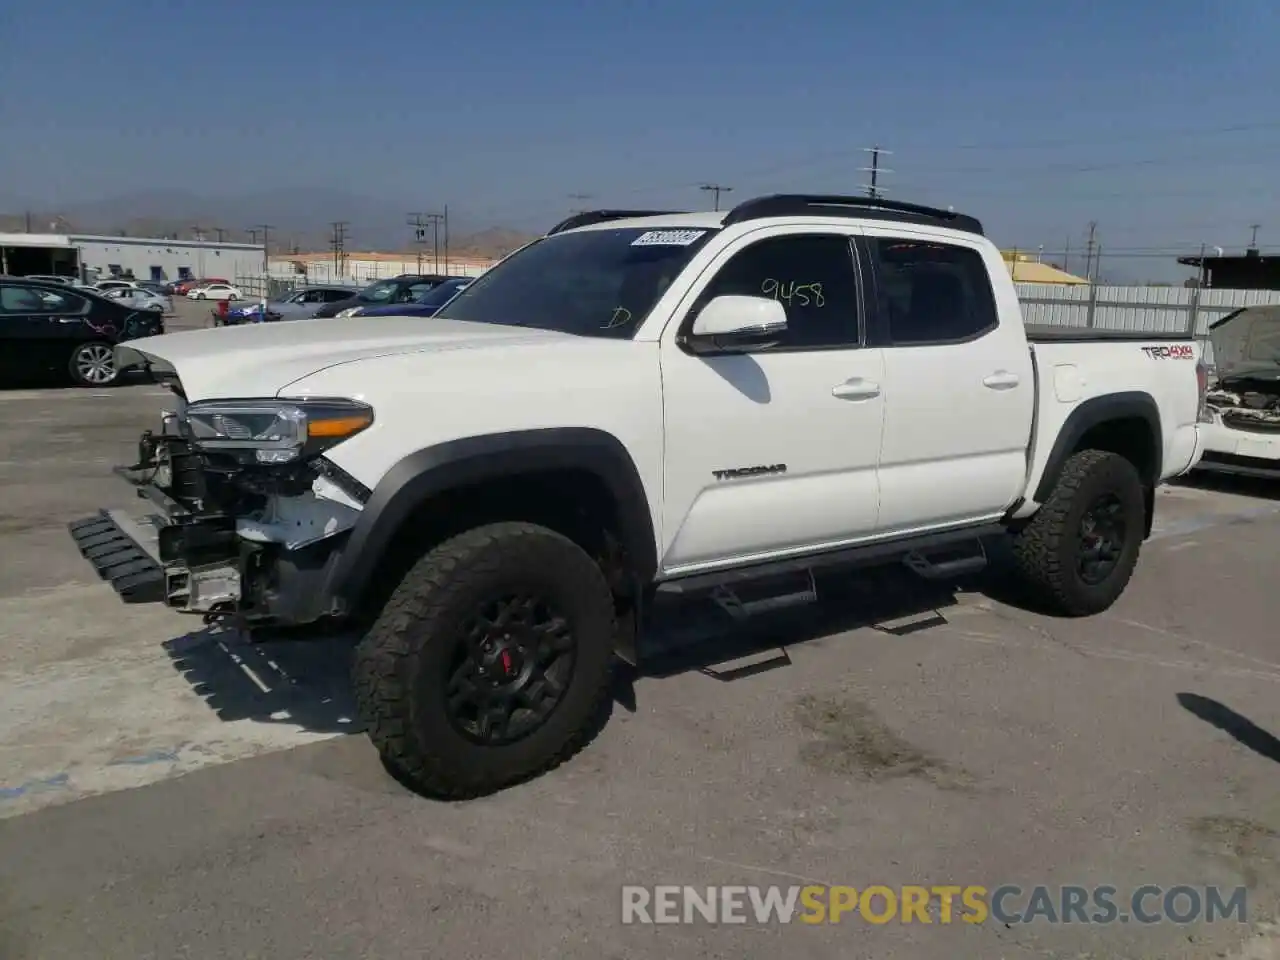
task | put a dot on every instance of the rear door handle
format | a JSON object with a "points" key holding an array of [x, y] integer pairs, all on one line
{"points": [[856, 389], [1001, 380]]}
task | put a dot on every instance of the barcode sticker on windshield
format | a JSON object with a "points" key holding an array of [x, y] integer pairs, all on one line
{"points": [[667, 238]]}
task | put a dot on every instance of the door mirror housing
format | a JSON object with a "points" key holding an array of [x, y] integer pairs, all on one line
{"points": [[734, 322]]}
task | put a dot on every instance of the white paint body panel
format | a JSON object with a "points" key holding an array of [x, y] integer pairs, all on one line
{"points": [[1220, 438], [954, 434]]}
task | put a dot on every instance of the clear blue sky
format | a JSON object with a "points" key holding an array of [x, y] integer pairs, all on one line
{"points": [[1158, 120]]}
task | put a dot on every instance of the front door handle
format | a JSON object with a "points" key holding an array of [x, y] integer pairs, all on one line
{"points": [[856, 389], [1001, 380]]}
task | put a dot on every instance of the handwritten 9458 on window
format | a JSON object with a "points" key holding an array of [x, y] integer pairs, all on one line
{"points": [[792, 293], [1177, 351]]}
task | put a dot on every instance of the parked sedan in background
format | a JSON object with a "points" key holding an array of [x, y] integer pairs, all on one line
{"points": [[216, 291], [48, 327], [140, 298], [300, 303], [428, 305], [51, 278], [405, 288], [184, 287]]}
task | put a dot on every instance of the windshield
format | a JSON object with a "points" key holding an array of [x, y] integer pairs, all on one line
{"points": [[380, 292], [594, 283], [440, 295]]}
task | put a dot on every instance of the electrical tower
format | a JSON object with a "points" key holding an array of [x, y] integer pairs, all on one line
{"points": [[338, 242], [420, 222], [1253, 239], [873, 188], [220, 232]]}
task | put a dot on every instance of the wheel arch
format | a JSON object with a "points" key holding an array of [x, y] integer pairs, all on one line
{"points": [[1127, 424], [453, 466]]}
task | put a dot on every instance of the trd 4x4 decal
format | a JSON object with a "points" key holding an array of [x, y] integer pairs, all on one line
{"points": [[1179, 351]]}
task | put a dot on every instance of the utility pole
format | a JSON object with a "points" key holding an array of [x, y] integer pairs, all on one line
{"points": [[338, 243], [266, 229], [199, 232], [1089, 246], [28, 219], [716, 189], [1253, 240], [220, 232], [253, 234], [420, 222], [873, 188]]}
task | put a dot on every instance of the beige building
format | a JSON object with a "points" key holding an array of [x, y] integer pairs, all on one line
{"points": [[1027, 269], [365, 267]]}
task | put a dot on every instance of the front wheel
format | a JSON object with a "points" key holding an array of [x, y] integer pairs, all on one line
{"points": [[1079, 551], [93, 365], [490, 663], [201, 296]]}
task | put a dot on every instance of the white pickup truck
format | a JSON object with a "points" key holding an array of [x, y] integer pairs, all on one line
{"points": [[631, 404]]}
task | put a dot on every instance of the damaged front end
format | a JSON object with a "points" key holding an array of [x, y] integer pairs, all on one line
{"points": [[250, 518], [1242, 429], [1247, 403]]}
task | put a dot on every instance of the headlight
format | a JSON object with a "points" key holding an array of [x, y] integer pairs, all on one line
{"points": [[274, 431], [349, 312]]}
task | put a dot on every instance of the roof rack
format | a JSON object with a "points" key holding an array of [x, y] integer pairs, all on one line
{"points": [[588, 217], [870, 208]]}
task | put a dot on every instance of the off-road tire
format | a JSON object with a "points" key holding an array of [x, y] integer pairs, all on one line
{"points": [[1045, 552], [399, 665]]}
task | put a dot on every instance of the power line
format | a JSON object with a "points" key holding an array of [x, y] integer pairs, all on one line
{"points": [[715, 189]]}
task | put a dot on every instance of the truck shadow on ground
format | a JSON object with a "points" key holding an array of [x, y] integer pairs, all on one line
{"points": [[1259, 488], [304, 682], [1241, 729]]}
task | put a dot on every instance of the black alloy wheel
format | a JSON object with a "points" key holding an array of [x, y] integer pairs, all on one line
{"points": [[510, 670], [1102, 538]]}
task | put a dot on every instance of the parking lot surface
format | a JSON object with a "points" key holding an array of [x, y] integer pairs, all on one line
{"points": [[167, 791]]}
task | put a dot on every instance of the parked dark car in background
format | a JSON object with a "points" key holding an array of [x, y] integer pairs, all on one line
{"points": [[72, 333], [428, 305], [297, 305], [384, 293]]}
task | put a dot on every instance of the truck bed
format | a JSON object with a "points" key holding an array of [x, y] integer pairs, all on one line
{"points": [[1049, 333]]}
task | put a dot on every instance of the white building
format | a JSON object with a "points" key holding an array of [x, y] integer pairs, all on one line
{"points": [[144, 258]]}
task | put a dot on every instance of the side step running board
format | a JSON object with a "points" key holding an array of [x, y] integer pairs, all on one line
{"points": [[124, 552], [777, 593], [958, 561]]}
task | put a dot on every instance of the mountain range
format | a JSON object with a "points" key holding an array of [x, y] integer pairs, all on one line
{"points": [[300, 219]]}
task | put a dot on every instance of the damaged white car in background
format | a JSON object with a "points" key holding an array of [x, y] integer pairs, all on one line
{"points": [[1243, 401]]}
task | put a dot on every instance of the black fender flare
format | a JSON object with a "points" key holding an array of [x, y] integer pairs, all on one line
{"points": [[1091, 413], [455, 463]]}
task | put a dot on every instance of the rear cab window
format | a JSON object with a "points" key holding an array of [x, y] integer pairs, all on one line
{"points": [[931, 292], [598, 282]]}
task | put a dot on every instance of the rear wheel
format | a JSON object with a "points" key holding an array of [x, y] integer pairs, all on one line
{"points": [[491, 661], [1079, 551], [93, 365]]}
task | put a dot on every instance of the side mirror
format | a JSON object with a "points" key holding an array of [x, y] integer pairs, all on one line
{"points": [[734, 322]]}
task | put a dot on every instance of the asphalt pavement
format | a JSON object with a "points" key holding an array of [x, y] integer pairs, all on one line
{"points": [[167, 791]]}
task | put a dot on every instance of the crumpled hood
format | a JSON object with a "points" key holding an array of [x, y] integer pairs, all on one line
{"points": [[262, 359], [1246, 343]]}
